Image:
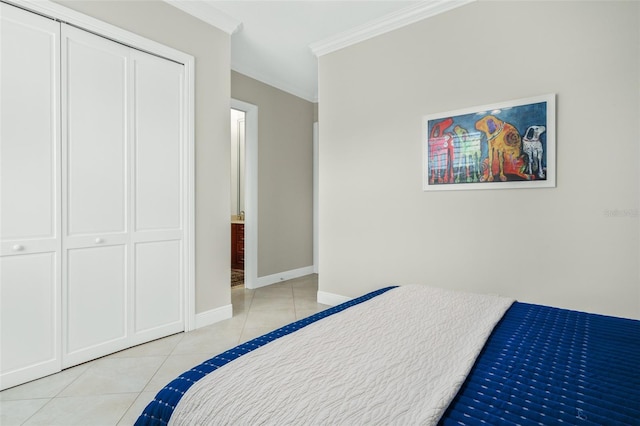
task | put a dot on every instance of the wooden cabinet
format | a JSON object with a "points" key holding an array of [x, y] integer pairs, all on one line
{"points": [[237, 245]]}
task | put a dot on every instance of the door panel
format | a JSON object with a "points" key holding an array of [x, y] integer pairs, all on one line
{"points": [[158, 299], [30, 236], [96, 301], [95, 154], [158, 197], [96, 133], [29, 141], [28, 312], [158, 156]]}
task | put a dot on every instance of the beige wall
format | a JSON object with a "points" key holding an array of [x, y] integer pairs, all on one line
{"points": [[285, 175], [165, 24], [554, 246]]}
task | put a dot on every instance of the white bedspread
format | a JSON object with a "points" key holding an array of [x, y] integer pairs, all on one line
{"points": [[398, 358]]}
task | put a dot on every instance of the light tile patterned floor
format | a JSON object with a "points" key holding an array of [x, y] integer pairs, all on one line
{"points": [[114, 390]]}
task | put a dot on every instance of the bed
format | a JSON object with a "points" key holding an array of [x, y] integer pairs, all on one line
{"points": [[419, 355]]}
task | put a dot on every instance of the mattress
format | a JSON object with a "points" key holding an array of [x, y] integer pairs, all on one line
{"points": [[540, 365]]}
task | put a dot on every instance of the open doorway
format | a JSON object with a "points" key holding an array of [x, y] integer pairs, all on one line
{"points": [[237, 196], [244, 182]]}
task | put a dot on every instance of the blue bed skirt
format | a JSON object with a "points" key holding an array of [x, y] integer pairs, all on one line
{"points": [[540, 366]]}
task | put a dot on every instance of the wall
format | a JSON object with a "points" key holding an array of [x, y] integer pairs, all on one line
{"points": [[285, 175], [165, 24], [574, 246]]}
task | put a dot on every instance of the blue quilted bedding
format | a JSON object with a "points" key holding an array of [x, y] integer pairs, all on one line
{"points": [[540, 366], [544, 366]]}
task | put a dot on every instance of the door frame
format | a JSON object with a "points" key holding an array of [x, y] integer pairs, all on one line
{"points": [[316, 194], [53, 10], [250, 191]]}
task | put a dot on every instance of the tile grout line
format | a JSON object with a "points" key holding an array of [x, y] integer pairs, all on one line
{"points": [[57, 394], [38, 410], [293, 299], [246, 317]]}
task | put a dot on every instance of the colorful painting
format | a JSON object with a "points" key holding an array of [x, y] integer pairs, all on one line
{"points": [[506, 145]]}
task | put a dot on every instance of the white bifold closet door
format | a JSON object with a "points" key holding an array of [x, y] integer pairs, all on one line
{"points": [[158, 213], [96, 179], [92, 196], [30, 235], [123, 180]]}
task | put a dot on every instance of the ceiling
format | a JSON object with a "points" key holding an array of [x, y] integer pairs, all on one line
{"points": [[277, 42]]}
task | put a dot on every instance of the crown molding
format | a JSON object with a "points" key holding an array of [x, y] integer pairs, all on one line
{"points": [[206, 12], [390, 22]]}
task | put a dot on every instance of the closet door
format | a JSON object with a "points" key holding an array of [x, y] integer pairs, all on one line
{"points": [[157, 198], [96, 160], [29, 196]]}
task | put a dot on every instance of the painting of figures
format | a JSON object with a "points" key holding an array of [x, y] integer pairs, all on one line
{"points": [[505, 145]]}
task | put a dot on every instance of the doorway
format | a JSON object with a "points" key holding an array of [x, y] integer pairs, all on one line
{"points": [[244, 181], [237, 196]]}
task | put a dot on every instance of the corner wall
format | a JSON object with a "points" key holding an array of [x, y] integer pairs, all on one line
{"points": [[575, 246]]}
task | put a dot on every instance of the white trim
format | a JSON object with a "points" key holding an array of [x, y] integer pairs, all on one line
{"points": [[393, 21], [206, 12], [213, 316], [190, 208], [103, 29], [316, 194], [283, 276], [331, 299], [250, 192]]}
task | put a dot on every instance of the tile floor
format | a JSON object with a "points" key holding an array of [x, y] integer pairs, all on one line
{"points": [[113, 390]]}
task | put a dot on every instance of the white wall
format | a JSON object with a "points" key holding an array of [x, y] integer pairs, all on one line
{"points": [[559, 246]]}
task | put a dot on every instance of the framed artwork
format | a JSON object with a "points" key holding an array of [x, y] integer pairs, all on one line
{"points": [[504, 145]]}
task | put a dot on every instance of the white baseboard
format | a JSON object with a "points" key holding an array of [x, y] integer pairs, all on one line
{"points": [[331, 299], [213, 316], [283, 276]]}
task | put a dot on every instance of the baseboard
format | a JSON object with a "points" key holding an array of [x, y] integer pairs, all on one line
{"points": [[283, 276], [213, 316], [331, 299]]}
